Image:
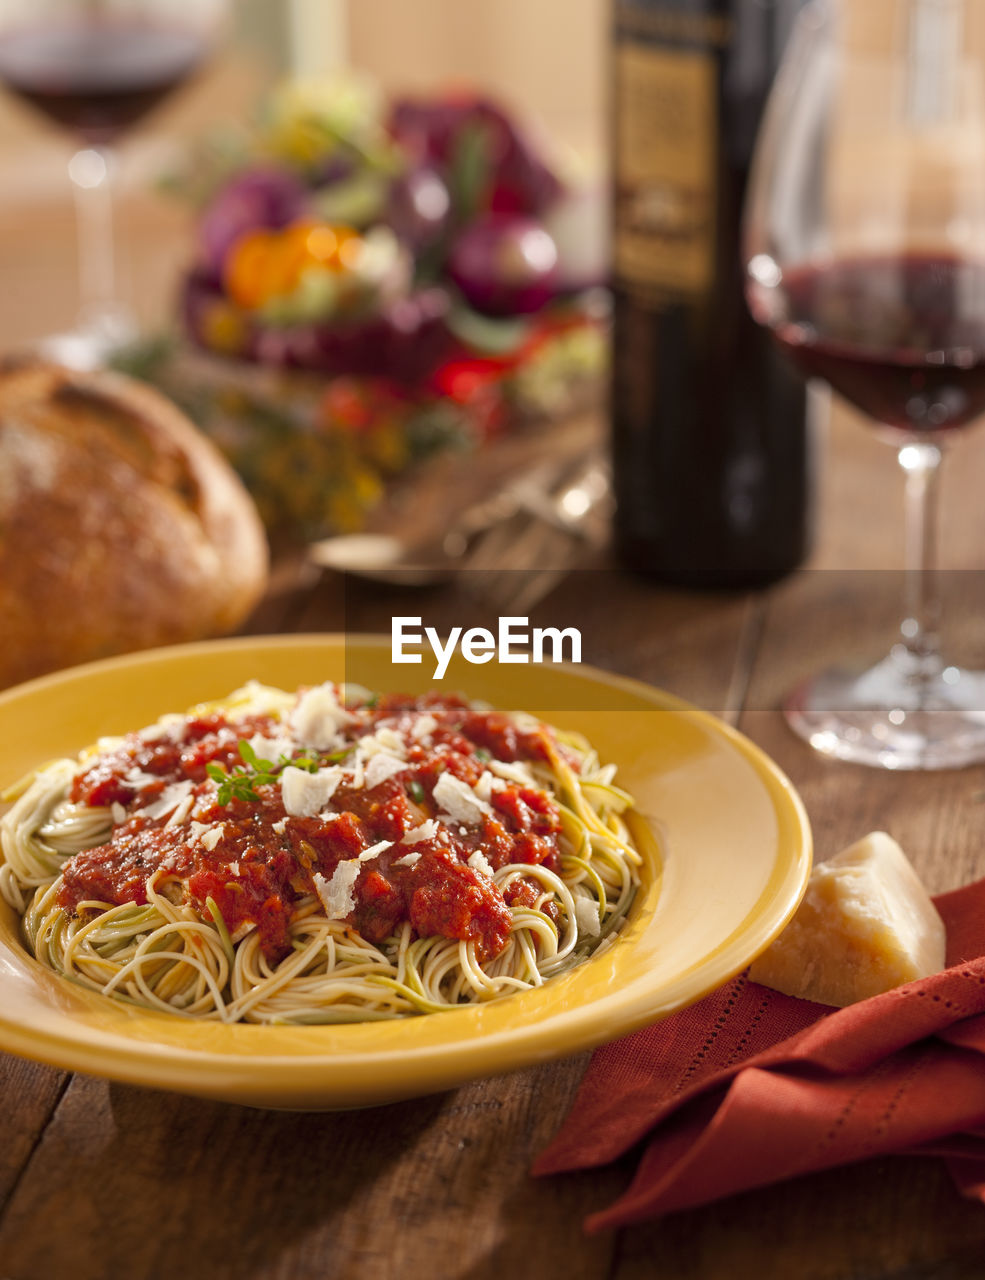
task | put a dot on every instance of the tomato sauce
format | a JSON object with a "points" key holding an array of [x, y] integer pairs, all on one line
{"points": [[263, 862], [166, 758]]}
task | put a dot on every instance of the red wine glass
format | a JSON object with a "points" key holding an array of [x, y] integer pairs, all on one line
{"points": [[865, 255], [96, 67]]}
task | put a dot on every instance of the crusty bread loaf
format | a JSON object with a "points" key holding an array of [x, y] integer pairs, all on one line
{"points": [[121, 527]]}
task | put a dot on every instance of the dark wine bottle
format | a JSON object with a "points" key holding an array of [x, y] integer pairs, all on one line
{"points": [[709, 421]]}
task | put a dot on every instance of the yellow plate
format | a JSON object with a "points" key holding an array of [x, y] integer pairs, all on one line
{"points": [[725, 836]]}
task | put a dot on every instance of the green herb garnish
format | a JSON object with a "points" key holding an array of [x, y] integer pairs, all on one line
{"points": [[307, 760], [483, 754], [241, 782], [415, 791]]}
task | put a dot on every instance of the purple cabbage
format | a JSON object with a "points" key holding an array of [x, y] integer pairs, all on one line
{"points": [[505, 265], [406, 342], [418, 208], [263, 197], [444, 133]]}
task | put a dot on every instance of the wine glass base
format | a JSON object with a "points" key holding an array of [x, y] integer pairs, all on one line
{"points": [[93, 343], [893, 716]]}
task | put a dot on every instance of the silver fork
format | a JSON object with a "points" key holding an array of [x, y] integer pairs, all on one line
{"points": [[517, 561], [538, 523]]}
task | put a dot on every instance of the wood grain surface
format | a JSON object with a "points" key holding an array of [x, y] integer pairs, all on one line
{"points": [[103, 1180]]}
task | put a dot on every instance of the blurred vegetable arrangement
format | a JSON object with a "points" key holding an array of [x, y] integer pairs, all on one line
{"points": [[423, 258]]}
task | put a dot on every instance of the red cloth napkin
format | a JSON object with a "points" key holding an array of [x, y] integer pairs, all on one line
{"points": [[750, 1086]]}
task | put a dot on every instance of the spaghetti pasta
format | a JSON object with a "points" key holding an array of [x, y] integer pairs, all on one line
{"points": [[326, 856]]}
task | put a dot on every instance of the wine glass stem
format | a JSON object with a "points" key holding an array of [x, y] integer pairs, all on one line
{"points": [[920, 629], [91, 171]]}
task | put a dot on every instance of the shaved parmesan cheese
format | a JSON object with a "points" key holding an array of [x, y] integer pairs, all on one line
{"points": [[138, 778], [381, 767], [318, 717], [305, 793], [336, 895], [169, 798], [234, 867], [180, 814], [383, 739], [197, 830], [426, 831], [423, 727], [479, 862], [487, 784], [353, 692], [272, 748], [587, 917], [374, 850], [408, 860], [390, 740], [513, 771], [459, 801], [280, 827], [172, 727], [212, 837], [118, 812], [358, 773]]}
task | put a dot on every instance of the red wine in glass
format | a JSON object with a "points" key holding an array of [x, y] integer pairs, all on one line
{"points": [[902, 338], [97, 68], [98, 78], [863, 246]]}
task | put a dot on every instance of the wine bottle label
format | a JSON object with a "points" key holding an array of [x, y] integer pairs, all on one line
{"points": [[665, 180], [663, 23]]}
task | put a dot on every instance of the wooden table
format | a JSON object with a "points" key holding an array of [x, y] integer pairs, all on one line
{"points": [[104, 1180]]}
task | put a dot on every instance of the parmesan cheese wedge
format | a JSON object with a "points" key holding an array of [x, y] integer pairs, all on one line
{"points": [[866, 925]]}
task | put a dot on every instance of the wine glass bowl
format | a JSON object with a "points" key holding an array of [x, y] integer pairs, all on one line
{"points": [[900, 337], [864, 246], [96, 68], [97, 74]]}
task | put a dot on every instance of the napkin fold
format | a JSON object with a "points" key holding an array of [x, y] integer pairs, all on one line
{"points": [[749, 1086]]}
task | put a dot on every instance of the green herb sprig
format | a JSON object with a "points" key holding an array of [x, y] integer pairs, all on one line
{"points": [[242, 781]]}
